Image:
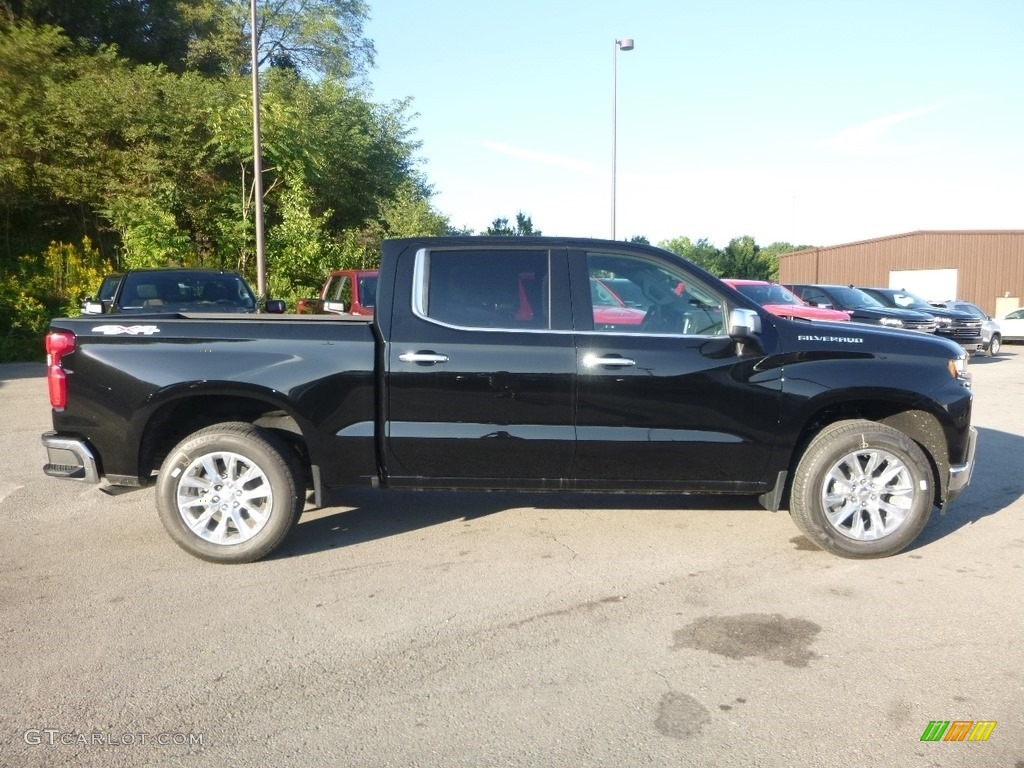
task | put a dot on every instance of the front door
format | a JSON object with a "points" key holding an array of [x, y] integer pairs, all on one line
{"points": [[667, 400]]}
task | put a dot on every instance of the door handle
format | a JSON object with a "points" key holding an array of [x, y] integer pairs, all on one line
{"points": [[423, 357], [595, 361]]}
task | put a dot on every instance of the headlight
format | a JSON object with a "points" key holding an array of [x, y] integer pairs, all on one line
{"points": [[958, 369], [892, 322]]}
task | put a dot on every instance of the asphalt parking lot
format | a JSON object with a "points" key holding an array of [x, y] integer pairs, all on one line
{"points": [[508, 629]]}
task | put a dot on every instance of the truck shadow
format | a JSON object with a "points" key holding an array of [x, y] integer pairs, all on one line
{"points": [[995, 484], [370, 515], [13, 371]]}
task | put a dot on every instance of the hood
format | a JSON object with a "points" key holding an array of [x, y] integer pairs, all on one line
{"points": [[807, 312]]}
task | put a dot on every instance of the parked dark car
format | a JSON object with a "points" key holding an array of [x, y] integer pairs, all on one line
{"points": [[104, 296], [991, 333], [863, 308], [956, 326], [177, 290]]}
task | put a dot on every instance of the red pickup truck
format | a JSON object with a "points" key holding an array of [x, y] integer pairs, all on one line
{"points": [[345, 292]]}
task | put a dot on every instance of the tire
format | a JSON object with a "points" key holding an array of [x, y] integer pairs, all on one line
{"points": [[994, 345], [259, 471], [862, 489]]}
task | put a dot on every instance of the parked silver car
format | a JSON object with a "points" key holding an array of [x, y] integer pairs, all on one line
{"points": [[991, 334]]}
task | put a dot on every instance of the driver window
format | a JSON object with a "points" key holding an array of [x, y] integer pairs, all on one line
{"points": [[633, 294]]}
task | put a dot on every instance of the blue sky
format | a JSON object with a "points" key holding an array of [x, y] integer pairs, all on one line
{"points": [[809, 122]]}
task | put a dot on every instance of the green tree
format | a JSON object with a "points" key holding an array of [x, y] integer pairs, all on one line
{"points": [[742, 258], [772, 252], [320, 37], [149, 156], [523, 227], [702, 252], [300, 249]]}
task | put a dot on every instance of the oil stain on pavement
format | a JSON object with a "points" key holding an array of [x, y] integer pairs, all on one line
{"points": [[769, 636], [681, 716]]}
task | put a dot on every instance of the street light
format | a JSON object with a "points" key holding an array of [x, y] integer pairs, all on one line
{"points": [[257, 159], [625, 44]]}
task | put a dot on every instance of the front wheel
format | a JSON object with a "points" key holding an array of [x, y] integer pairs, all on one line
{"points": [[862, 489], [994, 345], [229, 493]]}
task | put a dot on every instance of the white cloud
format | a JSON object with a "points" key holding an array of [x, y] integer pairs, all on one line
{"points": [[868, 137], [558, 161]]}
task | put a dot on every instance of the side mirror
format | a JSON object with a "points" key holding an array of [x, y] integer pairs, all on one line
{"points": [[744, 324], [335, 307], [275, 306], [90, 307], [744, 327]]}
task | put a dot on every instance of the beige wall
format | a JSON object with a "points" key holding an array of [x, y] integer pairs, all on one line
{"points": [[989, 264]]}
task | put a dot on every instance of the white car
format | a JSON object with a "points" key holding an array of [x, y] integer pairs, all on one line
{"points": [[1012, 325]]}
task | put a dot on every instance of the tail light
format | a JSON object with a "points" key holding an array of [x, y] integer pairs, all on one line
{"points": [[58, 344]]}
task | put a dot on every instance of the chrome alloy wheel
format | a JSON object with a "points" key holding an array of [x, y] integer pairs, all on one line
{"points": [[224, 498], [868, 494]]}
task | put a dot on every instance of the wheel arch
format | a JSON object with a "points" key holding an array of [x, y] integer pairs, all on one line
{"points": [[921, 426], [183, 413]]}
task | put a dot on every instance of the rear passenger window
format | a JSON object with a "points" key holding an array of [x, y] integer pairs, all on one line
{"points": [[485, 289]]}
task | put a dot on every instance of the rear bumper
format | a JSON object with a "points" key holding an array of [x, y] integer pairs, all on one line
{"points": [[69, 459], [960, 474]]}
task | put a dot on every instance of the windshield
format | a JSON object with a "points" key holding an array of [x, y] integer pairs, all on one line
{"points": [[109, 287], [602, 296], [908, 300], [768, 294], [855, 297], [187, 292]]}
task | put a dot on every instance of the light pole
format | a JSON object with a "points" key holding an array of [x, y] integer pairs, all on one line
{"points": [[625, 44], [257, 160]]}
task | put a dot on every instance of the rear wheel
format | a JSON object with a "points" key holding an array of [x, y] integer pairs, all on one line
{"points": [[862, 489], [229, 493]]}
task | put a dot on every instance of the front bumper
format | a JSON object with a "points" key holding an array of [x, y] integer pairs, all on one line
{"points": [[69, 459], [960, 474]]}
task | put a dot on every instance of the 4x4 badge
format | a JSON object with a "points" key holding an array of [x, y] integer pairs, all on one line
{"points": [[131, 330]]}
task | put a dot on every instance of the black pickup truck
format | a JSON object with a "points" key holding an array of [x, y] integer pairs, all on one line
{"points": [[177, 290], [486, 366]]}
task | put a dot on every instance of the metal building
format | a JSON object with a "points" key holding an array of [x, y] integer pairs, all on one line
{"points": [[978, 266]]}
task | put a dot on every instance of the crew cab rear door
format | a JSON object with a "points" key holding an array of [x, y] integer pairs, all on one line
{"points": [[480, 368], [669, 402]]}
